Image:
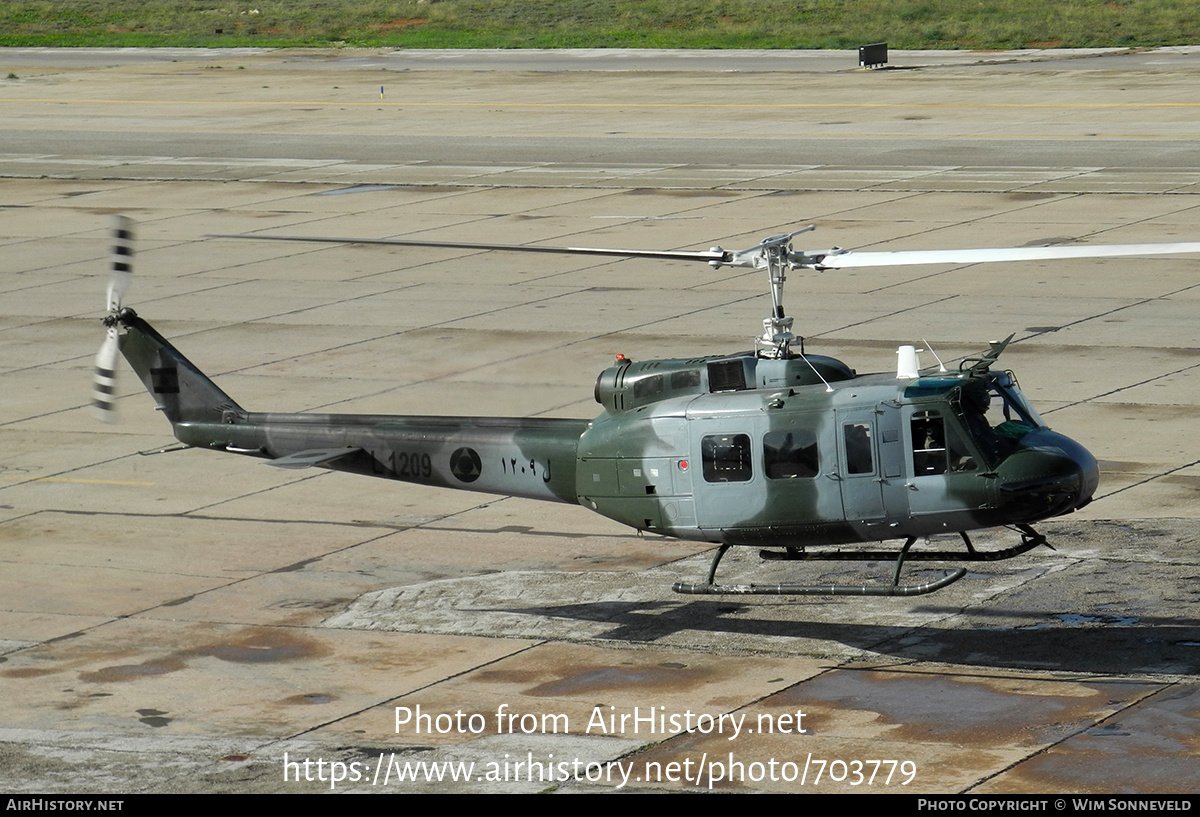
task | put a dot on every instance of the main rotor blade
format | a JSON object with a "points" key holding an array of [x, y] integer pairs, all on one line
{"points": [[850, 259], [673, 255]]}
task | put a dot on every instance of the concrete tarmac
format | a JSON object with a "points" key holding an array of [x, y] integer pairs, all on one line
{"points": [[190, 622]]}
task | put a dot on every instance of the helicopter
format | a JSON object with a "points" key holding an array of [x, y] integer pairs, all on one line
{"points": [[772, 447]]}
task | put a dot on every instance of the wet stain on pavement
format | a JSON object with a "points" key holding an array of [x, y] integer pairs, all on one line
{"points": [[308, 699], [261, 646], [600, 678], [963, 710], [154, 717], [252, 646], [133, 672]]}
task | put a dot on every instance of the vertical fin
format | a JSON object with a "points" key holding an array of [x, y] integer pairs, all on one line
{"points": [[182, 391]]}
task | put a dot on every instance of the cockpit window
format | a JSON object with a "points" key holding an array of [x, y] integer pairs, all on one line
{"points": [[995, 415], [1007, 384]]}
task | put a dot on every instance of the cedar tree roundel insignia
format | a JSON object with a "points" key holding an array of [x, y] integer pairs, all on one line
{"points": [[465, 464]]}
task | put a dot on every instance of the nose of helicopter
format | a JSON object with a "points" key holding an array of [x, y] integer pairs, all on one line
{"points": [[1048, 475]]}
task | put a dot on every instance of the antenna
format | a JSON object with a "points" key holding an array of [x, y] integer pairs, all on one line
{"points": [[828, 388], [929, 346]]}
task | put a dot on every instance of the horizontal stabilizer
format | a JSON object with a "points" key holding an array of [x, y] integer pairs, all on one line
{"points": [[311, 457]]}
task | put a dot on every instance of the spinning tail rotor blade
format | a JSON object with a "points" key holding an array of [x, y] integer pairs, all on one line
{"points": [[104, 381], [104, 384], [122, 262], [851, 259]]}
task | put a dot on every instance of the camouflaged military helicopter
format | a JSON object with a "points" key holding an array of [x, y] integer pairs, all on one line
{"points": [[771, 447]]}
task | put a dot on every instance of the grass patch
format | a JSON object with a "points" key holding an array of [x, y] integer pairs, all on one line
{"points": [[987, 24]]}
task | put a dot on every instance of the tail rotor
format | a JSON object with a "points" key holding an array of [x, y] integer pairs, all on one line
{"points": [[121, 273]]}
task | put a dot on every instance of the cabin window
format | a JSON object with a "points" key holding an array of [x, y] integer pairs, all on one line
{"points": [[929, 444], [937, 446], [726, 457], [790, 454], [860, 458]]}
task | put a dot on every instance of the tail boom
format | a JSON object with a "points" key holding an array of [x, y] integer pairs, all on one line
{"points": [[526, 457], [532, 458]]}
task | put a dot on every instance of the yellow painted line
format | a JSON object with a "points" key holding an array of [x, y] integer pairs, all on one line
{"points": [[499, 104], [829, 134], [80, 481]]}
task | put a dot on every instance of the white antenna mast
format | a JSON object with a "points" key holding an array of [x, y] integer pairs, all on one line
{"points": [[941, 366]]}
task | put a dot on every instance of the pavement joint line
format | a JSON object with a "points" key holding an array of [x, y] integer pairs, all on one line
{"points": [[89, 318], [511, 358], [393, 528], [222, 586], [500, 309], [657, 105], [1148, 479], [1079, 731], [292, 312], [892, 314], [80, 481], [940, 227], [84, 467], [1108, 312], [398, 334], [448, 677], [266, 490], [1185, 188], [1121, 389], [1053, 173], [551, 410]]}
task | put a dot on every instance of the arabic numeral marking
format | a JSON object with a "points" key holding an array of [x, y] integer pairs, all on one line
{"points": [[833, 764], [411, 465], [909, 768], [508, 465]]}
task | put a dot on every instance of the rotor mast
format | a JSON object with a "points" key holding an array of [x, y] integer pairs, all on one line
{"points": [[776, 339], [774, 254]]}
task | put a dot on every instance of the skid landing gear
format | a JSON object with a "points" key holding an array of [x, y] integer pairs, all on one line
{"points": [[1029, 540]]}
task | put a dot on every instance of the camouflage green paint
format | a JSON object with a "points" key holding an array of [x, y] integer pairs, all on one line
{"points": [[681, 447]]}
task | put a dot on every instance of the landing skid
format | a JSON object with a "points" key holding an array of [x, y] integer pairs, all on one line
{"points": [[1029, 540]]}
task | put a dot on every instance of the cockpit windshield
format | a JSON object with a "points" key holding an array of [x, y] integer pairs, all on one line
{"points": [[996, 414]]}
